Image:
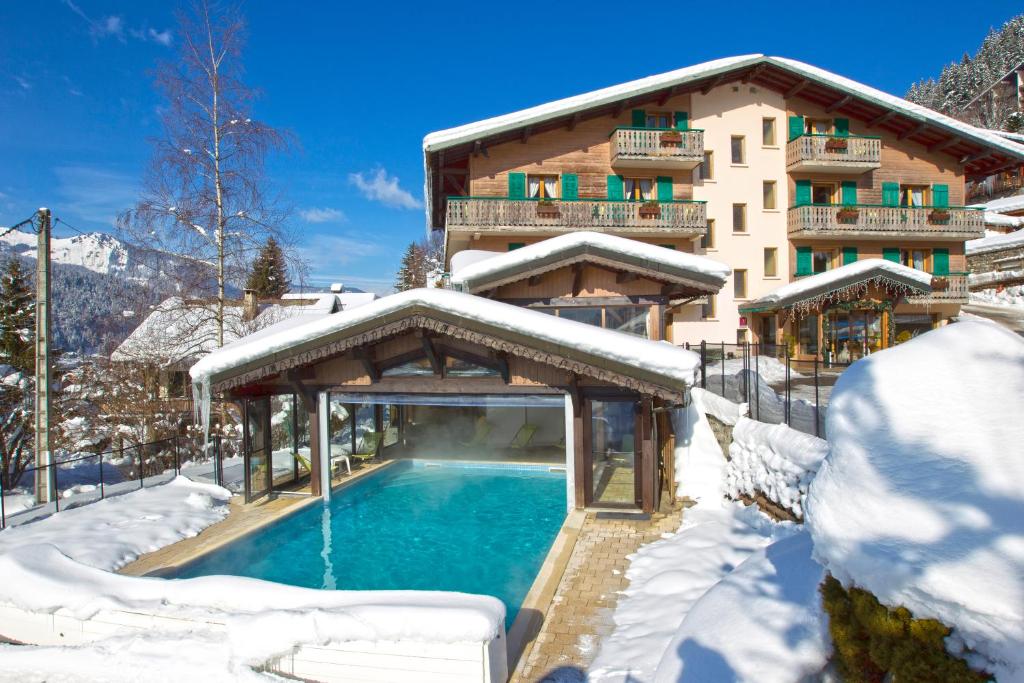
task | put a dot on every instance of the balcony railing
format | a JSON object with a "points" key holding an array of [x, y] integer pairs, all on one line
{"points": [[500, 214], [835, 153], [955, 291], [872, 220], [657, 147]]}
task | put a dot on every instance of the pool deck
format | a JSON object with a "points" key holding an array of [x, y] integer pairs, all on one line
{"points": [[579, 614]]}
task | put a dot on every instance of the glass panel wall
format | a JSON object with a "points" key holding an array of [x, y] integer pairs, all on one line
{"points": [[807, 336], [258, 470], [283, 435], [613, 452], [909, 325]]}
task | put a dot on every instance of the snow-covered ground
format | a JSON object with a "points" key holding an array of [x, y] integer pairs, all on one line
{"points": [[1007, 296]]}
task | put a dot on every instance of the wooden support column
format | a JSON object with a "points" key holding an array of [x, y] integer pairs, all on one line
{"points": [[667, 448], [648, 462], [307, 401], [582, 474]]}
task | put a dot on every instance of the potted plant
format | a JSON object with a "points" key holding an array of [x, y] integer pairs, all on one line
{"points": [[837, 144], [671, 138], [650, 210], [940, 284], [939, 216], [547, 209], [847, 214]]}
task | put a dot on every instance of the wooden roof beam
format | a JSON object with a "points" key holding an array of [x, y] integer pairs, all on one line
{"points": [[369, 366], [881, 118], [919, 128], [534, 280], [753, 73], [479, 148], [977, 156], [625, 276], [666, 95], [573, 121], [945, 144], [708, 87], [800, 85], [436, 360], [577, 278], [619, 107], [526, 134], [841, 102]]}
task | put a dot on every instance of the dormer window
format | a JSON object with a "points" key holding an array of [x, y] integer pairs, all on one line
{"points": [[542, 186]]}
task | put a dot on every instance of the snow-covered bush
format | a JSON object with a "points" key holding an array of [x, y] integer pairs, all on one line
{"points": [[919, 500]]}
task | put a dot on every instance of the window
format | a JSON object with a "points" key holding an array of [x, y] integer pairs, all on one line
{"points": [[768, 132], [819, 126], [771, 266], [738, 155], [707, 240], [708, 310], [638, 189], [741, 336], [542, 186], [659, 120], [628, 319], [917, 258], [822, 260], [739, 284], [913, 195], [589, 315], [739, 217], [807, 335], [768, 193], [822, 193], [512, 246], [910, 325], [707, 168]]}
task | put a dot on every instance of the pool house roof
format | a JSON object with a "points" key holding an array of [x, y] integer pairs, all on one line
{"points": [[649, 367], [846, 283], [697, 274]]}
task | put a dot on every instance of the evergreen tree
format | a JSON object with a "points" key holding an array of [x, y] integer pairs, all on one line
{"points": [[17, 318], [412, 271], [269, 274]]}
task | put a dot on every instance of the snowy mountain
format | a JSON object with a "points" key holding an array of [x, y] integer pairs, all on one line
{"points": [[94, 251]]}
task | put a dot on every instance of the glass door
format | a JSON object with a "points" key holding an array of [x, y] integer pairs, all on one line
{"points": [[613, 452], [257, 452]]}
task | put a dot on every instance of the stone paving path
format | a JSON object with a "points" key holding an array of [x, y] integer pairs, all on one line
{"points": [[581, 611]]}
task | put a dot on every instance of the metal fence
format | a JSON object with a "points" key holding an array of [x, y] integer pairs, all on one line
{"points": [[777, 387], [84, 479]]}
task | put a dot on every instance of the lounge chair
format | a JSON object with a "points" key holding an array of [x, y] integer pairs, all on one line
{"points": [[523, 436], [370, 448], [482, 431], [336, 462]]}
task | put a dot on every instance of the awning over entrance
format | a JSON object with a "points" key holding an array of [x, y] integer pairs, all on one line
{"points": [[698, 274], [846, 283], [649, 367]]}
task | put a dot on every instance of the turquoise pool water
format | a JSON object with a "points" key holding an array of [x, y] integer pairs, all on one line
{"points": [[458, 527]]}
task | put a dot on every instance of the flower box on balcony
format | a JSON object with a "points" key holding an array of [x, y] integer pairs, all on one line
{"points": [[547, 210], [847, 215], [836, 145], [940, 284], [650, 210], [671, 138], [938, 217]]}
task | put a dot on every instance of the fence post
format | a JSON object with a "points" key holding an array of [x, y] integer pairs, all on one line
{"points": [[703, 364], [722, 361], [757, 382], [817, 401], [746, 372], [218, 466], [139, 450], [787, 411], [101, 477], [177, 464], [3, 512], [56, 486]]}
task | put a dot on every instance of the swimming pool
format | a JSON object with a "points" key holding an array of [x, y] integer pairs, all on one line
{"points": [[420, 525]]}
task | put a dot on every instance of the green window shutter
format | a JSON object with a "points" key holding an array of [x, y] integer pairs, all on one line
{"points": [[512, 246], [682, 120], [668, 246], [664, 188], [849, 255], [517, 186], [940, 262], [803, 192], [803, 260], [891, 254], [615, 191], [842, 127], [570, 186], [940, 196], [796, 127], [849, 192], [890, 194], [639, 118]]}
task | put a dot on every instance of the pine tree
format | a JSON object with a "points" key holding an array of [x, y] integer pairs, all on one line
{"points": [[269, 274], [412, 271], [17, 319]]}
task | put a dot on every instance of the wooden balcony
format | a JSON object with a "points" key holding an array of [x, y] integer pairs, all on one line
{"points": [[873, 221], [500, 214], [951, 289], [655, 148], [833, 154]]}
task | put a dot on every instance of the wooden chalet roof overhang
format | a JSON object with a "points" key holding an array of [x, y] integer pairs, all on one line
{"points": [[441, 328], [447, 162]]}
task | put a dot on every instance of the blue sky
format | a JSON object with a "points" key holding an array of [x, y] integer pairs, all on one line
{"points": [[360, 84]]}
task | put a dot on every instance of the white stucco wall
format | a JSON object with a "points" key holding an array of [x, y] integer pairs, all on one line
{"points": [[738, 109]]}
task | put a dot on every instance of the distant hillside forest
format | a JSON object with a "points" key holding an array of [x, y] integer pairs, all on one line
{"points": [[960, 82]]}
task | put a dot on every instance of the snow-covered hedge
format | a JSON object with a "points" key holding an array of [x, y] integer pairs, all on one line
{"points": [[774, 460]]}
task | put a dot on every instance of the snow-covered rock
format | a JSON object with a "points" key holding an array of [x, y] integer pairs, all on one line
{"points": [[920, 500]]}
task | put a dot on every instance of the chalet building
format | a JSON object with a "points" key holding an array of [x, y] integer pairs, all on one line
{"points": [[778, 169]]}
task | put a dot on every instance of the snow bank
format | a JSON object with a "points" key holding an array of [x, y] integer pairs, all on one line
{"points": [[775, 460], [699, 461], [110, 533], [919, 500], [762, 622], [720, 408], [1008, 296]]}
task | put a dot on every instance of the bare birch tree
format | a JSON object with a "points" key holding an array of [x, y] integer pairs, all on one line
{"points": [[205, 197]]}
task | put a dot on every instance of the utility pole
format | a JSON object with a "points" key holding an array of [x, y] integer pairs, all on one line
{"points": [[44, 477]]}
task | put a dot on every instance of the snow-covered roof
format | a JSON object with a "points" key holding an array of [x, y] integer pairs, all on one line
{"points": [[660, 363], [648, 260], [995, 277], [467, 133], [919, 499], [994, 243], [1003, 204], [814, 288], [1002, 220]]}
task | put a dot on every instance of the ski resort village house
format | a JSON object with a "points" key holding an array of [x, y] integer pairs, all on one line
{"points": [[588, 240]]}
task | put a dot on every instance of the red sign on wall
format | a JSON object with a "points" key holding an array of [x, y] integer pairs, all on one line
{"points": [[743, 321]]}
